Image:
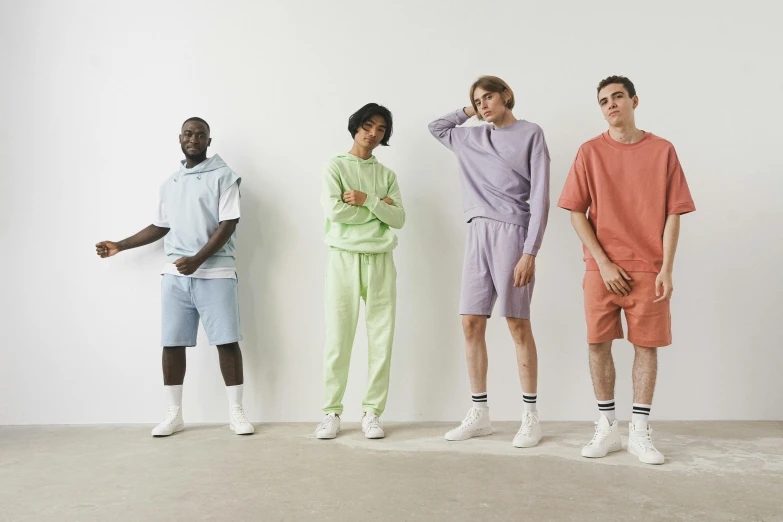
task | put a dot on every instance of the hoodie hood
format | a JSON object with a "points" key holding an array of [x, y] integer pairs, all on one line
{"points": [[350, 157], [364, 168], [208, 165]]}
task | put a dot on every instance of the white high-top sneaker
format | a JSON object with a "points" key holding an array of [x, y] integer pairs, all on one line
{"points": [[371, 426], [171, 424], [529, 433], [606, 439], [329, 427], [640, 444], [475, 424], [239, 422]]}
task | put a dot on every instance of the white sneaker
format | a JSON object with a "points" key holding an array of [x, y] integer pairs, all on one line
{"points": [[605, 440], [171, 424], [476, 424], [640, 444], [529, 433], [371, 426], [329, 427], [239, 422]]}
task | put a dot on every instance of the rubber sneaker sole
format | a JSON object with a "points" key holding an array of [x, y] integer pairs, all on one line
{"points": [[481, 432]]}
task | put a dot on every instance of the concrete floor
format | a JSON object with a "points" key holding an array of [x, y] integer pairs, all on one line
{"points": [[714, 471]]}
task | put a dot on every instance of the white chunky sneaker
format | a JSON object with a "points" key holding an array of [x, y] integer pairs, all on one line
{"points": [[171, 424], [605, 440], [640, 444], [239, 422], [371, 426], [529, 433], [476, 424], [329, 427]]}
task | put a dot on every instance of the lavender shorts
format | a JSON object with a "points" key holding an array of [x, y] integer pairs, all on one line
{"points": [[492, 250]]}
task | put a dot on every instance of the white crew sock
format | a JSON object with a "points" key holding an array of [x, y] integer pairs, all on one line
{"points": [[234, 395], [174, 395], [480, 400], [641, 413], [606, 408], [529, 401]]}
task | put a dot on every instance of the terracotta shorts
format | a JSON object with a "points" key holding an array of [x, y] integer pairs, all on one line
{"points": [[649, 324]]}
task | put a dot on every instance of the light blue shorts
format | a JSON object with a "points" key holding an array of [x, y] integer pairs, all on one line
{"points": [[185, 299]]}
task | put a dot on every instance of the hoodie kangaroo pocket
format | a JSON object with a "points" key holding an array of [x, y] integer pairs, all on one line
{"points": [[345, 231]]}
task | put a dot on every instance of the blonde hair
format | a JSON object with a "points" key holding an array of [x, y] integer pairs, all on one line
{"points": [[491, 84]]}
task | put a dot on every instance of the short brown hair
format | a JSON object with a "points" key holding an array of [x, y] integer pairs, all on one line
{"points": [[491, 84], [622, 80]]}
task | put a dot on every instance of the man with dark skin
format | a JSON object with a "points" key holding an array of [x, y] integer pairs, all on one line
{"points": [[197, 282]]}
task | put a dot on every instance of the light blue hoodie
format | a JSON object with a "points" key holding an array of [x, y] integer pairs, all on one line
{"points": [[191, 198]]}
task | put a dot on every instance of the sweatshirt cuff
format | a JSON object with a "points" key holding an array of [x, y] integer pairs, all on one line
{"points": [[371, 202], [530, 249], [461, 116]]}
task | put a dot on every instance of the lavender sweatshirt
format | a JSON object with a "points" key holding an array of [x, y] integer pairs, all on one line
{"points": [[505, 172]]}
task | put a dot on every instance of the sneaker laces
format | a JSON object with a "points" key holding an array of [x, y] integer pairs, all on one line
{"points": [[600, 435], [328, 422], [470, 418], [238, 415], [527, 424], [644, 439], [171, 416], [373, 422]]}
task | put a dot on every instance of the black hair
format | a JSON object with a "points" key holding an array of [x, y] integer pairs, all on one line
{"points": [[628, 84], [359, 117], [196, 118]]}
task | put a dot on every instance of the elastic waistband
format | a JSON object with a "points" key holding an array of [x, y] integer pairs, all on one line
{"points": [[364, 257], [493, 222]]}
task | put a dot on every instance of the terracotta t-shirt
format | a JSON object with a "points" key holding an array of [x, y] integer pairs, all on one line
{"points": [[629, 191]]}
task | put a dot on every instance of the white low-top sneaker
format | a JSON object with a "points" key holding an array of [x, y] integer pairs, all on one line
{"points": [[371, 426], [329, 427]]}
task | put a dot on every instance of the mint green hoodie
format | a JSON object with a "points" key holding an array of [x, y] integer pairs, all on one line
{"points": [[364, 229]]}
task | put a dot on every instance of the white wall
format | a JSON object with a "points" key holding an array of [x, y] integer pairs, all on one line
{"points": [[92, 96]]}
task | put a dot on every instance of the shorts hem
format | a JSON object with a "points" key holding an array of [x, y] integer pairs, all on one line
{"points": [[487, 315], [514, 316], [186, 344], [650, 344], [218, 343], [606, 339]]}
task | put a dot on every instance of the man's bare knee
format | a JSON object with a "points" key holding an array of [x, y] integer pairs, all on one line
{"points": [[600, 349], [645, 352], [520, 329], [474, 326]]}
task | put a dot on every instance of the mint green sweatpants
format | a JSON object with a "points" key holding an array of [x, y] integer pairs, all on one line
{"points": [[351, 277]]}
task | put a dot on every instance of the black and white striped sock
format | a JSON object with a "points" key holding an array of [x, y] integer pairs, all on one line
{"points": [[529, 401], [606, 408], [480, 400], [641, 412]]}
